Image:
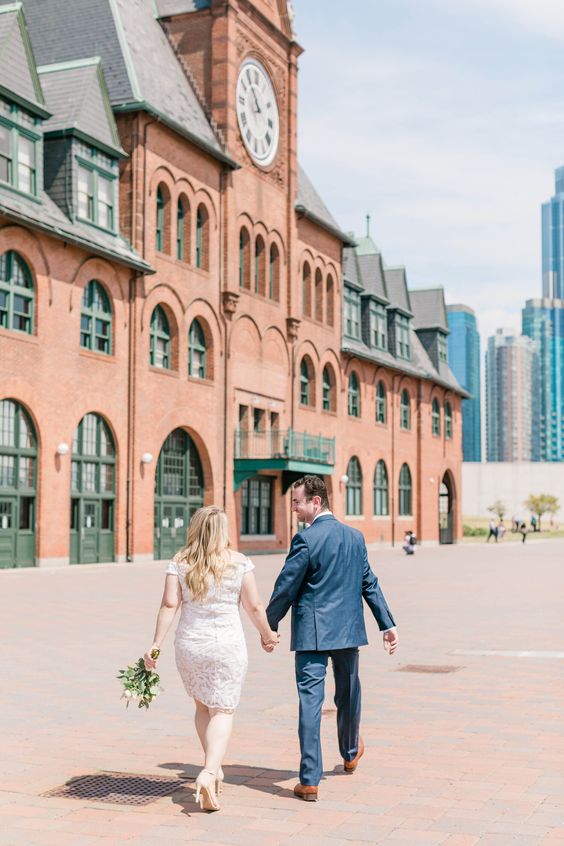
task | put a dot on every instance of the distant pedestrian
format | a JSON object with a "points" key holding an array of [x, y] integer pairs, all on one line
{"points": [[493, 531], [514, 524], [533, 523], [409, 543], [524, 531], [501, 530]]}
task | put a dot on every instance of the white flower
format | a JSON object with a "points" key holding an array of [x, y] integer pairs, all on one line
{"points": [[154, 691], [128, 694]]}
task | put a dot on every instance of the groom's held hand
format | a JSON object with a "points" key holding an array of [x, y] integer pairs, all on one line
{"points": [[268, 645], [391, 640]]}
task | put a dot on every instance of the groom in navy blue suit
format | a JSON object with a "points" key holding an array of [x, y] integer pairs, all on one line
{"points": [[325, 577]]}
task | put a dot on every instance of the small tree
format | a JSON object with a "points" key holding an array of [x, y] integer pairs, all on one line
{"points": [[542, 504], [498, 508]]}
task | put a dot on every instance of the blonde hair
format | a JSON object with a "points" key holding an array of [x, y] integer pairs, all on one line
{"points": [[205, 553]]}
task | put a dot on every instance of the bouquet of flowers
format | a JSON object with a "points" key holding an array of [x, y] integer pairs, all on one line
{"points": [[139, 684]]}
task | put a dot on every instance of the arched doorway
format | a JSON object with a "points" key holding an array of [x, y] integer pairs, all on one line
{"points": [[92, 492], [179, 492], [446, 511], [18, 480]]}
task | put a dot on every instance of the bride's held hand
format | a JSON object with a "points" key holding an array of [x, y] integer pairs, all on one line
{"points": [[149, 661], [268, 645]]}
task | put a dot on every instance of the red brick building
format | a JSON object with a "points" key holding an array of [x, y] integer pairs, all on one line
{"points": [[182, 320]]}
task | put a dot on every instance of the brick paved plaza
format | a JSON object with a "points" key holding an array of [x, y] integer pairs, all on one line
{"points": [[474, 756]]}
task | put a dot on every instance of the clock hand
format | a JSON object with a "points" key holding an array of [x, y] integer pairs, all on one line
{"points": [[256, 101]]}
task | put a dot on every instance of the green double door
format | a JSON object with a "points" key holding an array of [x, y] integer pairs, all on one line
{"points": [[17, 534], [18, 480], [92, 535], [179, 492]]}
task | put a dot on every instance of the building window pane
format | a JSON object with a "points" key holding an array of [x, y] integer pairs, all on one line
{"points": [[354, 488], [352, 313], [95, 319], [304, 383], [196, 351], [381, 403], [353, 396], [16, 294], [448, 420], [405, 498], [256, 506], [381, 492], [405, 410], [160, 340], [435, 418], [26, 165]]}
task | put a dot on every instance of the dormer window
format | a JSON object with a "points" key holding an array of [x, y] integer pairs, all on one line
{"points": [[18, 151], [96, 191], [378, 326], [352, 312], [403, 345], [442, 346]]}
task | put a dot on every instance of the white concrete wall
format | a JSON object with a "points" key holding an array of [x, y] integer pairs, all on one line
{"points": [[513, 483]]}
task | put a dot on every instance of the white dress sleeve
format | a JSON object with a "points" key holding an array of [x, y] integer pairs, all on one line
{"points": [[172, 568], [248, 566]]}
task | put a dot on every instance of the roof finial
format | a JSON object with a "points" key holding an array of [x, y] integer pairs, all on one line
{"points": [[368, 226]]}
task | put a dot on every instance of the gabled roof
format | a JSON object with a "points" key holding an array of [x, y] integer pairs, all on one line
{"points": [[429, 310], [78, 98], [396, 284], [18, 74], [363, 266], [140, 66], [310, 205]]}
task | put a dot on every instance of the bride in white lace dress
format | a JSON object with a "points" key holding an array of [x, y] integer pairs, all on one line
{"points": [[208, 580]]}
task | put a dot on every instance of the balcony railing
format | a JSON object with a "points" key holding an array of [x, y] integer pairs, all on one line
{"points": [[287, 445]]}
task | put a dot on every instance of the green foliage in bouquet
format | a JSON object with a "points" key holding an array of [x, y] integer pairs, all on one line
{"points": [[139, 685]]}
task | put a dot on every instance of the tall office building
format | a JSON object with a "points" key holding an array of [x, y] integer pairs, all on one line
{"points": [[553, 241], [510, 364], [464, 360], [543, 321]]}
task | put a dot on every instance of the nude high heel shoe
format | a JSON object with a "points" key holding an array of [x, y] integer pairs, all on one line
{"points": [[205, 791], [219, 779]]}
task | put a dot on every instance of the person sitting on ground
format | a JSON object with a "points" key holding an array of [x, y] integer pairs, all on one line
{"points": [[409, 543]]}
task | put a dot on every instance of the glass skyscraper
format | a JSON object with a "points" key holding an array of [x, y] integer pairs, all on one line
{"points": [[543, 321], [464, 361], [553, 241]]}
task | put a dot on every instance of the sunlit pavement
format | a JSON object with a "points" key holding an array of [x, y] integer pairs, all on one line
{"points": [[473, 754]]}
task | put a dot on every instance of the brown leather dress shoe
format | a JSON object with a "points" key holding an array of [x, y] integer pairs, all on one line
{"points": [[350, 766], [307, 792]]}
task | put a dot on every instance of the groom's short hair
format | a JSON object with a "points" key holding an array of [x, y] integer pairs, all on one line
{"points": [[314, 486]]}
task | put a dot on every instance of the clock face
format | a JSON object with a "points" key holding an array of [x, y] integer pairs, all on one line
{"points": [[257, 112]]}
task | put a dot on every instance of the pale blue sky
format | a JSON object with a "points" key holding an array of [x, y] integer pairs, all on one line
{"points": [[444, 119]]}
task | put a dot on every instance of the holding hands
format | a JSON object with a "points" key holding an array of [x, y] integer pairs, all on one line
{"points": [[272, 641]]}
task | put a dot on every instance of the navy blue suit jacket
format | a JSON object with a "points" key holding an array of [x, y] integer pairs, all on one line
{"points": [[325, 577]]}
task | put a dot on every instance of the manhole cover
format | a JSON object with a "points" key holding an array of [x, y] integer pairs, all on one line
{"points": [[118, 788], [428, 668]]}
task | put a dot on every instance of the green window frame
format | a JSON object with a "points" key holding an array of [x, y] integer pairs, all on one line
{"points": [[305, 381], [202, 246], [328, 383], [273, 272], [180, 222], [352, 313], [435, 418], [448, 421], [381, 403], [403, 343], [256, 506], [17, 294], [405, 410], [96, 191], [159, 229], [405, 492], [442, 344], [353, 396], [96, 319], [196, 351], [160, 339], [381, 490], [353, 505], [378, 326], [18, 157]]}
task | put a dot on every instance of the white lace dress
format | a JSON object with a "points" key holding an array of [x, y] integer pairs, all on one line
{"points": [[211, 653]]}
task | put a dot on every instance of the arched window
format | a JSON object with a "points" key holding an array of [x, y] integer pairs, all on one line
{"points": [[202, 238], [244, 259], [260, 266], [381, 403], [96, 319], [16, 294], [163, 223], [354, 487], [18, 486], [183, 229], [307, 392], [160, 339], [448, 420], [435, 418], [405, 410], [306, 290], [405, 497], [92, 492], [329, 302], [196, 351], [381, 492], [328, 379], [179, 491], [318, 295], [354, 396], [274, 274]]}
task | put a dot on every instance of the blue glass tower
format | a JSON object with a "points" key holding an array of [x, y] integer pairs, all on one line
{"points": [[553, 241], [464, 361], [543, 321]]}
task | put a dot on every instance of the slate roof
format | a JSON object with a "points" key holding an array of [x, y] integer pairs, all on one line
{"points": [[166, 8], [429, 310], [78, 99], [310, 204], [18, 74], [123, 33], [363, 266], [396, 284]]}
